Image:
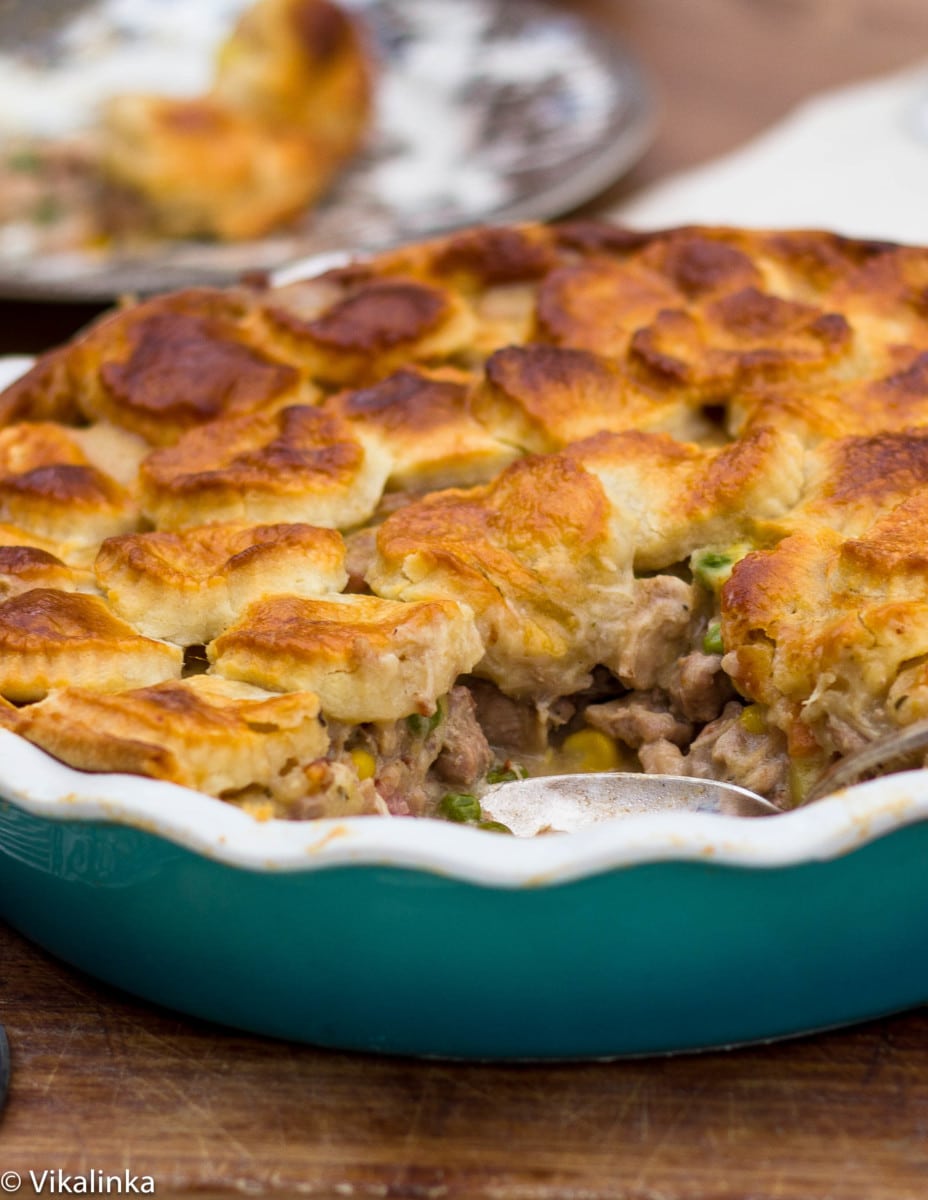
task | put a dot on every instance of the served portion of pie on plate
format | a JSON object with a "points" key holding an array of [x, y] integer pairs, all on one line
{"points": [[288, 104], [521, 499]]}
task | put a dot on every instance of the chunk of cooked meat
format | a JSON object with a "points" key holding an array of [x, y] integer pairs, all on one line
{"points": [[699, 687], [656, 632], [728, 751], [465, 754], [639, 719], [516, 726]]}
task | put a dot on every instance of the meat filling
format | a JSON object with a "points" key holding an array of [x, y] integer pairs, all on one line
{"points": [[639, 719], [465, 755], [656, 633], [412, 762], [729, 751]]}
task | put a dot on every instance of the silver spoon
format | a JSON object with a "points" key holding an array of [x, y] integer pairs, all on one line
{"points": [[898, 751], [564, 803]]}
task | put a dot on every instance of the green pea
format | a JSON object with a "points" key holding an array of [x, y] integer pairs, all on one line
{"points": [[506, 774], [712, 566], [712, 641], [494, 827], [24, 160], [47, 211], [423, 726], [461, 807]]}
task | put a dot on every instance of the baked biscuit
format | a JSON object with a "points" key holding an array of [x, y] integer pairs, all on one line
{"points": [[186, 587], [423, 420], [300, 64], [51, 639], [704, 265], [367, 659], [828, 634], [478, 260], [44, 392], [851, 482], [498, 269], [201, 169], [24, 567], [673, 497], [599, 305], [884, 300], [223, 738], [541, 398], [608, 497], [740, 339], [888, 403], [293, 465], [810, 265], [347, 330], [49, 487], [13, 535], [538, 557], [175, 362]]}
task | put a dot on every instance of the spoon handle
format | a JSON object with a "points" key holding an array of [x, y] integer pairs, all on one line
{"points": [[900, 750]]}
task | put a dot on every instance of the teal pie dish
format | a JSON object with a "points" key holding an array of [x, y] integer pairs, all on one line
{"points": [[648, 934]]}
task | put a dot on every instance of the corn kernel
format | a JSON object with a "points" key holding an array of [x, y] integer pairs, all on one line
{"points": [[754, 719], [364, 763], [802, 775], [592, 750]]}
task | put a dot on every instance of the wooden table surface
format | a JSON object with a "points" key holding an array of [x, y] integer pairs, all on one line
{"points": [[102, 1082]]}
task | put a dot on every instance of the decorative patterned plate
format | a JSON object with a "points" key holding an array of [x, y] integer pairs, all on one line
{"points": [[487, 110]]}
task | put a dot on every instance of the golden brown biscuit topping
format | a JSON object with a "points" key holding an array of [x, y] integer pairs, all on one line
{"points": [[173, 351], [701, 266], [600, 305], [50, 638], [368, 659], [188, 586], [495, 256], [297, 464], [220, 737], [378, 317], [608, 499]]}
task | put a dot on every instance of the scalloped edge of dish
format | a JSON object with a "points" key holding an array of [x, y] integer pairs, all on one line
{"points": [[220, 831]]}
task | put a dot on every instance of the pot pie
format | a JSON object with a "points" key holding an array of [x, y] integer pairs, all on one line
{"points": [[529, 499]]}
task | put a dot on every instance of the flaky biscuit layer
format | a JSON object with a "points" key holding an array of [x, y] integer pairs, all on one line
{"points": [[289, 103], [367, 659], [51, 638], [186, 587], [296, 464], [221, 737]]}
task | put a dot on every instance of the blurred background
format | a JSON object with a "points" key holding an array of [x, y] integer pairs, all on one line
{"points": [[725, 70]]}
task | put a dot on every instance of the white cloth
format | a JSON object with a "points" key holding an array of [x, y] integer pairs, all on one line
{"points": [[854, 160]]}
